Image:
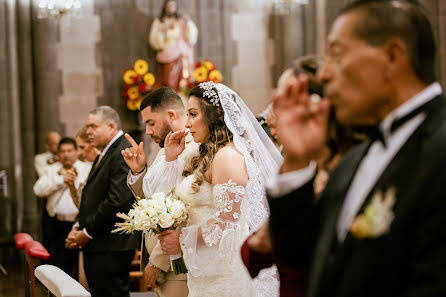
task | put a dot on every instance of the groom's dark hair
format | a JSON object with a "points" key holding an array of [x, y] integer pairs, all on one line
{"points": [[161, 99]]}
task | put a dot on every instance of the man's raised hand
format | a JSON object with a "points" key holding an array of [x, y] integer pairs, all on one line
{"points": [[301, 123], [134, 156], [174, 144]]}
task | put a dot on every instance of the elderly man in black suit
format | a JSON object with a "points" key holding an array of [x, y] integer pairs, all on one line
{"points": [[107, 256], [379, 228]]}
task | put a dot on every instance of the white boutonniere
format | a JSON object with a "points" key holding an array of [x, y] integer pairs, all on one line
{"points": [[377, 216]]}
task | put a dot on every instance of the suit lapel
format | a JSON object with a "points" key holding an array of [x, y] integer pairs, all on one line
{"points": [[334, 195], [399, 170], [95, 169]]}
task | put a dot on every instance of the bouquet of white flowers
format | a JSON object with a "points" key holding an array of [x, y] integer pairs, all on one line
{"points": [[155, 214]]}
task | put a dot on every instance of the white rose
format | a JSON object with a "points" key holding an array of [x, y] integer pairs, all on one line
{"points": [[177, 209], [139, 221], [166, 221], [154, 221], [159, 206], [168, 202], [132, 212], [145, 203], [151, 212], [158, 196]]}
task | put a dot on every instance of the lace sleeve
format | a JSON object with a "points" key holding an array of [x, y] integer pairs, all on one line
{"points": [[162, 176], [227, 198], [218, 239]]}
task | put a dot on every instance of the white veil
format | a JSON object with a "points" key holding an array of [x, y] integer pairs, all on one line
{"points": [[262, 161], [261, 156]]}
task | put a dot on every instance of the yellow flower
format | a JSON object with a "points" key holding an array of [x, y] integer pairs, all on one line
{"points": [[141, 67], [149, 79], [215, 76], [361, 227], [208, 65], [128, 76], [133, 93], [138, 103], [133, 104], [200, 74]]}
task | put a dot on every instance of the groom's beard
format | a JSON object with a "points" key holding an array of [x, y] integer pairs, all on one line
{"points": [[163, 136]]}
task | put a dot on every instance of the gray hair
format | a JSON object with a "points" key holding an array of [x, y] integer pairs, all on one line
{"points": [[107, 114]]}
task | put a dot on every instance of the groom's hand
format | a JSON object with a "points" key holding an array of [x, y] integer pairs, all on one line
{"points": [[151, 274], [174, 144], [170, 242], [134, 156]]}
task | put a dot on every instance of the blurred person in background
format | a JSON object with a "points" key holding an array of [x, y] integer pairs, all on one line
{"points": [[55, 184]]}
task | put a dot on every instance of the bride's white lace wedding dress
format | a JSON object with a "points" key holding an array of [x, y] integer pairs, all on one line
{"points": [[216, 228], [211, 251], [222, 216]]}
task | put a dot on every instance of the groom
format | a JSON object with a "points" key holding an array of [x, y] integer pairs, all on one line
{"points": [[162, 111], [379, 228]]}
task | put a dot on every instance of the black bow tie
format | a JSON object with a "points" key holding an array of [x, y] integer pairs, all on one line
{"points": [[376, 134]]}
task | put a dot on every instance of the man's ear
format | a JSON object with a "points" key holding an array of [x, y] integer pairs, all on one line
{"points": [[113, 126], [171, 115], [397, 53]]}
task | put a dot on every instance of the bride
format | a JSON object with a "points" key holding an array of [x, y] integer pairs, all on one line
{"points": [[223, 187]]}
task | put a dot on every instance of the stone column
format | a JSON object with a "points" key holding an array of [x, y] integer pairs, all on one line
{"points": [[251, 76], [80, 73], [11, 194], [27, 111]]}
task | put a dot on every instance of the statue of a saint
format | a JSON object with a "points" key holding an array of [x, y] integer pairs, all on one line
{"points": [[173, 36]]}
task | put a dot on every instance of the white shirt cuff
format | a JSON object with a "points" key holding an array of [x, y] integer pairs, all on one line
{"points": [[283, 184], [76, 224], [134, 178], [86, 233]]}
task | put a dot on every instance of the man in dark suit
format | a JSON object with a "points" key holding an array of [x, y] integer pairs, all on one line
{"points": [[379, 228], [107, 256]]}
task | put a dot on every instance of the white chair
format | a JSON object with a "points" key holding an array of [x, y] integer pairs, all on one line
{"points": [[59, 283]]}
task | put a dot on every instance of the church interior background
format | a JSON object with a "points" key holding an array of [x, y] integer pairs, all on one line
{"points": [[54, 69]]}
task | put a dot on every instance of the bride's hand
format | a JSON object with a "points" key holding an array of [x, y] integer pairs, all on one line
{"points": [[170, 242], [174, 144], [301, 123]]}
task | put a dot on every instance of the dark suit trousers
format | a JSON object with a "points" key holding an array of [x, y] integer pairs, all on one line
{"points": [[65, 259], [108, 272]]}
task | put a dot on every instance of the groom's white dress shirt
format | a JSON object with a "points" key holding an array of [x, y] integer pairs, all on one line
{"points": [[135, 184], [372, 165]]}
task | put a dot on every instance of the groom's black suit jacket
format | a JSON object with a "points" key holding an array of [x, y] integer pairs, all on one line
{"points": [[410, 260], [105, 194]]}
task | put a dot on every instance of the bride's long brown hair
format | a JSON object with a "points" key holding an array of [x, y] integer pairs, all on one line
{"points": [[219, 136]]}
